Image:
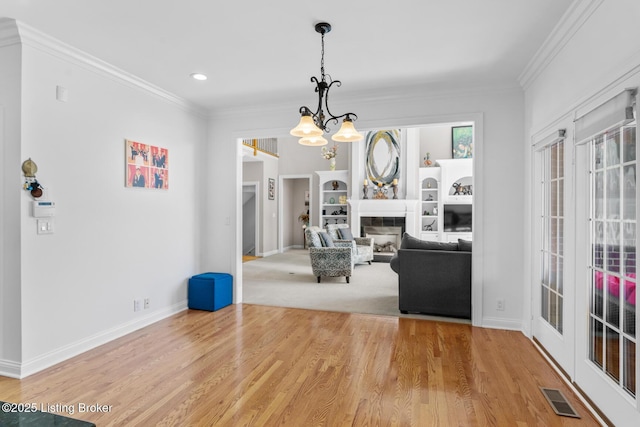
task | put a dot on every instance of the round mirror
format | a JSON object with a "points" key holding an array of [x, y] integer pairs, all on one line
{"points": [[382, 156]]}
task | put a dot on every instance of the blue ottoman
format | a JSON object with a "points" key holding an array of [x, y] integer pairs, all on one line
{"points": [[210, 291]]}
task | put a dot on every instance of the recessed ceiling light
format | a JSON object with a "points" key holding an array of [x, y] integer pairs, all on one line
{"points": [[199, 76]]}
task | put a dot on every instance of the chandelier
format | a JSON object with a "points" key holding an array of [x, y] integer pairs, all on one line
{"points": [[313, 124]]}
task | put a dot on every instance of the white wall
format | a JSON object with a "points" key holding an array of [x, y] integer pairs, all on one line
{"points": [[603, 49], [499, 172], [10, 192], [435, 140], [111, 244], [606, 62]]}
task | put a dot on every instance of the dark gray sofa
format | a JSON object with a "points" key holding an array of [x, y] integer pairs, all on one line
{"points": [[433, 277]]}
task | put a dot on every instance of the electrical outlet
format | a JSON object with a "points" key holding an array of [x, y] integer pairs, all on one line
{"points": [[147, 303], [137, 305], [500, 304]]}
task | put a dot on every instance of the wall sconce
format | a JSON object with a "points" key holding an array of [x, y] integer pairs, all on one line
{"points": [[29, 168]]}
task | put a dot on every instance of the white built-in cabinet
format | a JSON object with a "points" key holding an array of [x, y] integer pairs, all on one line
{"points": [[430, 217], [440, 186], [333, 193]]}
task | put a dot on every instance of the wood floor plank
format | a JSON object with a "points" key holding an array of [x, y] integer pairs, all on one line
{"points": [[248, 365]]}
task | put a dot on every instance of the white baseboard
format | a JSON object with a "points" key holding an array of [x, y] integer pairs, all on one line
{"points": [[501, 323], [37, 364], [9, 369]]}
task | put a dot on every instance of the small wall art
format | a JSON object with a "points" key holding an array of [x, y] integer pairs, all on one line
{"points": [[147, 166], [462, 142], [272, 188]]}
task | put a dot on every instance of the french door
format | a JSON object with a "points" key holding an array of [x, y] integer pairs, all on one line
{"points": [[606, 238], [585, 217], [553, 311]]}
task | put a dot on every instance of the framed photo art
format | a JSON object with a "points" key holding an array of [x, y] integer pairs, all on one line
{"points": [[147, 166], [462, 142], [272, 189]]}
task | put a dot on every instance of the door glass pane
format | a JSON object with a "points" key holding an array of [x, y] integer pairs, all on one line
{"points": [[629, 304], [560, 275], [552, 228], [613, 148], [595, 334], [629, 192], [630, 368], [598, 162], [613, 242], [629, 144], [599, 195], [597, 295], [559, 326], [598, 247], [560, 236], [613, 354], [629, 242], [613, 193], [612, 300]]}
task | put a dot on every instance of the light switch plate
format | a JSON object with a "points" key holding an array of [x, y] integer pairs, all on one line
{"points": [[45, 225]]}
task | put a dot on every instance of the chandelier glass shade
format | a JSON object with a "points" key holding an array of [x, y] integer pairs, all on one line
{"points": [[313, 141], [313, 125]]}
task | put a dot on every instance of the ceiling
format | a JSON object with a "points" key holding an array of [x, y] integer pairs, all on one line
{"points": [[256, 51]]}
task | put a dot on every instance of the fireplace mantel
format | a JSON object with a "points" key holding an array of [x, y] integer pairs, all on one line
{"points": [[385, 208]]}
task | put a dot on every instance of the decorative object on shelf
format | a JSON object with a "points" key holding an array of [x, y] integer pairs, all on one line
{"points": [[312, 125], [395, 188], [332, 201], [429, 199], [365, 189], [342, 200], [382, 156], [462, 142], [341, 211], [435, 210], [428, 184], [380, 193], [330, 154], [427, 160], [272, 189], [464, 190], [429, 227], [335, 185], [29, 169]]}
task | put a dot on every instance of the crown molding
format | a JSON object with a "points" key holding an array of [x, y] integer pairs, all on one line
{"points": [[9, 35], [573, 19], [29, 36]]}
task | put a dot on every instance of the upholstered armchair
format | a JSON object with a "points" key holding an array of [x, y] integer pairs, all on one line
{"points": [[362, 246], [328, 258]]}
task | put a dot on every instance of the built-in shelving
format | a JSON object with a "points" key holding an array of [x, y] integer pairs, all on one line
{"points": [[334, 208], [430, 216]]}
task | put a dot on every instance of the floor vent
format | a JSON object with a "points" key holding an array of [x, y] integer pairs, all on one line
{"points": [[559, 403]]}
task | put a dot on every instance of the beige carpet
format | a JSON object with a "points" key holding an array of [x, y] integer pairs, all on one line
{"points": [[286, 280]]}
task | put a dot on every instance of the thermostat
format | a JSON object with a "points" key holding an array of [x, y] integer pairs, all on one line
{"points": [[43, 209]]}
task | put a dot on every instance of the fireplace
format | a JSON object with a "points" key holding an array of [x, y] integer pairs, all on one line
{"points": [[395, 216], [386, 233]]}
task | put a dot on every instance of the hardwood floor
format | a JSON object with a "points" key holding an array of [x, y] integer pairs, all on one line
{"points": [[266, 366]]}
